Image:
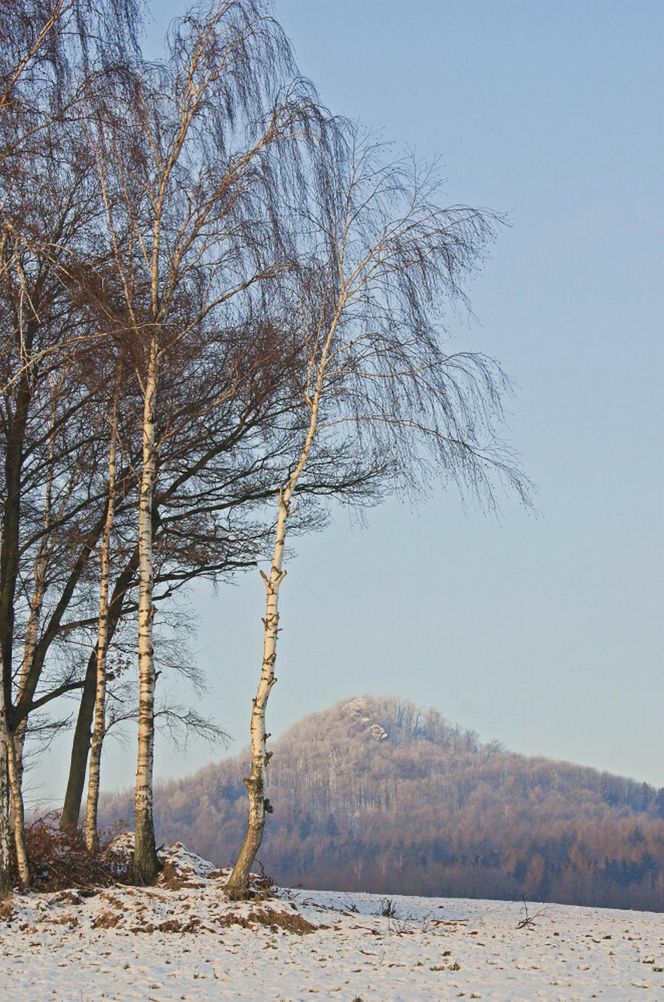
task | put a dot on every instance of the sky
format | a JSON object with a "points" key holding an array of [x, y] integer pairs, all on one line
{"points": [[543, 631]]}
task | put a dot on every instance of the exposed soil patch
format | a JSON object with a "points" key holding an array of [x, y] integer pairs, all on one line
{"points": [[68, 919], [175, 925], [106, 920], [290, 921], [173, 878], [70, 897]]}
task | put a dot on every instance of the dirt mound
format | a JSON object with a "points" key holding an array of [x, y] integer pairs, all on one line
{"points": [[188, 896]]}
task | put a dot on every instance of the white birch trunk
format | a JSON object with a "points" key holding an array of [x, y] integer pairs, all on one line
{"points": [[257, 804], [145, 862], [238, 882], [5, 838], [5, 842], [31, 633], [11, 800], [94, 768], [17, 813]]}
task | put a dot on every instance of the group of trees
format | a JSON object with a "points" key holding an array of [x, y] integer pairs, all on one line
{"points": [[374, 795], [215, 297]]}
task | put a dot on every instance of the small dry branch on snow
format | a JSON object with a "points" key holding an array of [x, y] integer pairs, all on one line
{"points": [[528, 921]]}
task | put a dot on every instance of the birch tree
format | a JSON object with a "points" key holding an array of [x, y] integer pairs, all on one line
{"points": [[46, 50], [45, 418], [5, 835], [382, 262], [69, 220], [101, 650], [189, 158]]}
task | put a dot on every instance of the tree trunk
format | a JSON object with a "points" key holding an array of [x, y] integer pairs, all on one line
{"points": [[5, 842], [90, 824], [52, 628], [17, 814], [5, 838], [36, 603], [238, 882], [29, 646], [258, 806], [11, 515], [82, 732], [78, 763], [145, 861], [10, 795]]}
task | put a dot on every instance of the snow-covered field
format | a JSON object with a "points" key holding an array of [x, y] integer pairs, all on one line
{"points": [[186, 942]]}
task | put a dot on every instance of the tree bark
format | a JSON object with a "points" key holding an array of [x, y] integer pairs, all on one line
{"points": [[82, 732], [24, 705], [238, 882], [31, 632], [5, 837], [145, 861], [10, 796], [10, 532], [90, 824], [36, 604], [78, 763], [17, 814]]}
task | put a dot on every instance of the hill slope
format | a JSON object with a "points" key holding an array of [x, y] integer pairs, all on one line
{"points": [[376, 795]]}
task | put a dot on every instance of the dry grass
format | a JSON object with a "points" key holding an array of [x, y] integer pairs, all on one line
{"points": [[60, 860]]}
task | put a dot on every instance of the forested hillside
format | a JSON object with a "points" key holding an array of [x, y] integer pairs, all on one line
{"points": [[377, 795]]}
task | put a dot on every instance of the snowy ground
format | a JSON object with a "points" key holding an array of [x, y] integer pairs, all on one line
{"points": [[184, 941]]}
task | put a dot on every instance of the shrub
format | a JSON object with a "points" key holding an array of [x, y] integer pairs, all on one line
{"points": [[60, 859]]}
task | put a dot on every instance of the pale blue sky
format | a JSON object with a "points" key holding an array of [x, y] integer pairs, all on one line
{"points": [[544, 633]]}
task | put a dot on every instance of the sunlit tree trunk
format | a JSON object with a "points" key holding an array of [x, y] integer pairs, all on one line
{"points": [[146, 863], [90, 823], [17, 814], [10, 798], [257, 804], [5, 838], [84, 722], [5, 835], [238, 882], [31, 632]]}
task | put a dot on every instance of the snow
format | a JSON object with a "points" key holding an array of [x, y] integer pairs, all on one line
{"points": [[182, 940]]}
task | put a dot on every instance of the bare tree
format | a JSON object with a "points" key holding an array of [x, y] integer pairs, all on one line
{"points": [[381, 261], [47, 50], [189, 157], [5, 834], [43, 418], [218, 459], [101, 650]]}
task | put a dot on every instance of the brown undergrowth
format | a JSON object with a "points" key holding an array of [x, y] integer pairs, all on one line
{"points": [[80, 889], [60, 859]]}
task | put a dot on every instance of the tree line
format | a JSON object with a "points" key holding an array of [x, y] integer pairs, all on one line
{"points": [[222, 306], [376, 795]]}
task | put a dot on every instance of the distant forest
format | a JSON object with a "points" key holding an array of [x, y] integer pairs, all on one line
{"points": [[377, 795]]}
